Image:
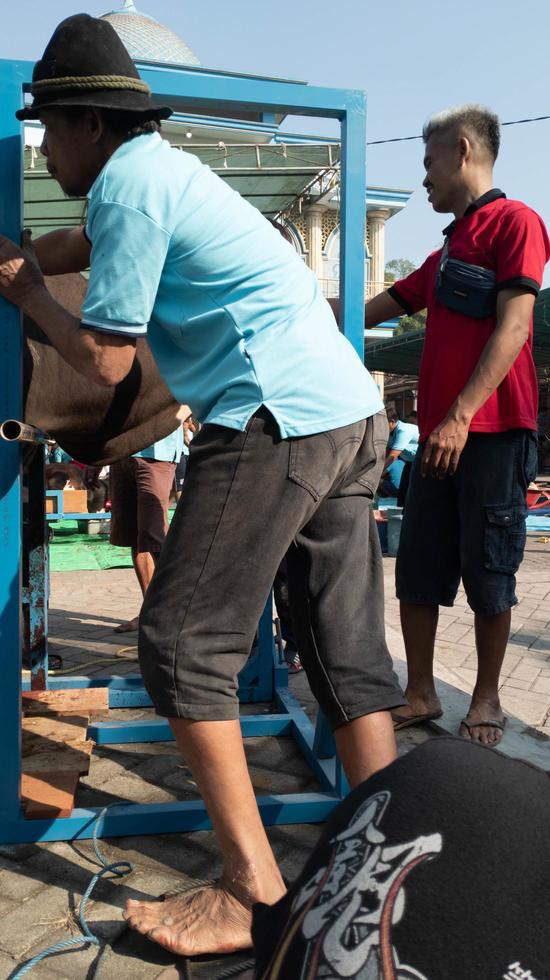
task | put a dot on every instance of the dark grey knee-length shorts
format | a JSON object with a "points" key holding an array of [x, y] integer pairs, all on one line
{"points": [[250, 499]]}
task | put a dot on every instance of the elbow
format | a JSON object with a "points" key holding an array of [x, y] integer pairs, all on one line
{"points": [[107, 379], [109, 375], [521, 334], [109, 365]]}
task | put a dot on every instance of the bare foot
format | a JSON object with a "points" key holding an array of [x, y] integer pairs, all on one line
{"points": [[206, 919], [130, 627], [481, 713], [420, 707]]}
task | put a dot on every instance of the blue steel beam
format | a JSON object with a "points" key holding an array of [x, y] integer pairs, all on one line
{"points": [[134, 819], [193, 86], [11, 216], [158, 729]]}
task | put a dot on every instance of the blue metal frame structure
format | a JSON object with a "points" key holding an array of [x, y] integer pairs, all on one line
{"points": [[59, 514], [264, 677]]}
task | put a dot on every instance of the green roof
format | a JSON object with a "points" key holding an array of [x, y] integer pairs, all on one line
{"points": [[269, 176]]}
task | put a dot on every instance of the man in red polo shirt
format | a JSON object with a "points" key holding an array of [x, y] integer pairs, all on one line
{"points": [[477, 409]]}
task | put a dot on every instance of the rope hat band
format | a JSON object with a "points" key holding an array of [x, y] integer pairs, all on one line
{"points": [[90, 83]]}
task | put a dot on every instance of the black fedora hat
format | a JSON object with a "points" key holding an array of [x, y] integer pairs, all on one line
{"points": [[86, 64]]}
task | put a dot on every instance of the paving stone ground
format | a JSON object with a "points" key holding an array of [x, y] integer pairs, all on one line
{"points": [[41, 884]]}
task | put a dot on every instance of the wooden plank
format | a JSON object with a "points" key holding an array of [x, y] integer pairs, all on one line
{"points": [[57, 758], [48, 795], [75, 701], [75, 501], [68, 728], [35, 744]]}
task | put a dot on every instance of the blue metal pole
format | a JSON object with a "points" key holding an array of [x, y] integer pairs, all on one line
{"points": [[11, 183], [352, 223]]}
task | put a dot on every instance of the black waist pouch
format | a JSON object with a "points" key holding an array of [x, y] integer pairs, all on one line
{"points": [[465, 288]]}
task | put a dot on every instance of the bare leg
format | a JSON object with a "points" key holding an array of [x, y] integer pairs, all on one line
{"points": [[492, 634], [217, 918], [366, 745], [419, 625], [144, 566]]}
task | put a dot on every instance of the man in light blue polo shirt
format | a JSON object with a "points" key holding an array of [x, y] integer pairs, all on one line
{"points": [[402, 448], [286, 463], [140, 493]]}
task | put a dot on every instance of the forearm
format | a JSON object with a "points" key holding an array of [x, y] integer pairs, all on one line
{"points": [[382, 307], [497, 358], [390, 458], [62, 251], [102, 358]]}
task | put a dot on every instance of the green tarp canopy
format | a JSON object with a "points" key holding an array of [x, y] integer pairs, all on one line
{"points": [[270, 176], [401, 354]]}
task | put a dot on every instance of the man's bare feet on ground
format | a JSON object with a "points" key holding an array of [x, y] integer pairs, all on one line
{"points": [[420, 708], [206, 919], [129, 627], [481, 713]]}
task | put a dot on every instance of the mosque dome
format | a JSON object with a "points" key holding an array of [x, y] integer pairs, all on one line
{"points": [[147, 40]]}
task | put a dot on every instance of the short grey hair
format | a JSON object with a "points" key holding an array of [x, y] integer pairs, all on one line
{"points": [[477, 119]]}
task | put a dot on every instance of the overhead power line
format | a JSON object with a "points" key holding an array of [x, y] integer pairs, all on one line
{"points": [[404, 139]]}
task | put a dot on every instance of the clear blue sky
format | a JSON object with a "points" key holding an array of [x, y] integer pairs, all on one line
{"points": [[413, 57]]}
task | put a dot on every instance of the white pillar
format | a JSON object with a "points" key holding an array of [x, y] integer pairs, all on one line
{"points": [[314, 225], [376, 221]]}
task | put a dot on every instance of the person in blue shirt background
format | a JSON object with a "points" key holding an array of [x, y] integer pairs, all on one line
{"points": [[189, 430], [140, 493], [402, 447], [286, 463]]}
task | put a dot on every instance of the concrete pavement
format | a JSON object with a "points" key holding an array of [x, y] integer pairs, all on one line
{"points": [[41, 884]]}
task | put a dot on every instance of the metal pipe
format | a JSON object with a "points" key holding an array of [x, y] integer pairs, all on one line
{"points": [[14, 431]]}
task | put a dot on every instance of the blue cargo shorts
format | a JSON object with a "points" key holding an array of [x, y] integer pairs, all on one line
{"points": [[468, 526]]}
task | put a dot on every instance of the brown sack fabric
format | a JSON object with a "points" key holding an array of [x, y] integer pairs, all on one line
{"points": [[93, 423]]}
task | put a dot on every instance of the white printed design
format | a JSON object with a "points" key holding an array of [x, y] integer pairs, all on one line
{"points": [[349, 907], [517, 972]]}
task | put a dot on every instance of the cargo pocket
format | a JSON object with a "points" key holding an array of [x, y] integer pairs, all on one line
{"points": [[505, 534], [373, 452]]}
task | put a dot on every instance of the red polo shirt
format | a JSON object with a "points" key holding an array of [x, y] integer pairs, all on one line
{"points": [[509, 238]]}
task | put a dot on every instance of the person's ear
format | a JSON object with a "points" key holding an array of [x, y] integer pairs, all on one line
{"points": [[95, 124], [464, 149]]}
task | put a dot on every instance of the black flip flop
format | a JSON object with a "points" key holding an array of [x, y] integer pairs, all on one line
{"points": [[485, 724], [399, 722]]}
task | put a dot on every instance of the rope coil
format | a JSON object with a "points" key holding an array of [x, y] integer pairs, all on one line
{"points": [[90, 83], [118, 868]]}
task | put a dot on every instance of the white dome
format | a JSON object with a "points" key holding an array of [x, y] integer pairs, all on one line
{"points": [[147, 40]]}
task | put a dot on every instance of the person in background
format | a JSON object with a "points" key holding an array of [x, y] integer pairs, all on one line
{"points": [[189, 429], [140, 493], [402, 446]]}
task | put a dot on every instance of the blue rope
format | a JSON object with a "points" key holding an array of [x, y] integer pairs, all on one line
{"points": [[118, 868]]}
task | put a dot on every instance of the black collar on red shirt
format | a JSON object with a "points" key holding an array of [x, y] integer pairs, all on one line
{"points": [[487, 198]]}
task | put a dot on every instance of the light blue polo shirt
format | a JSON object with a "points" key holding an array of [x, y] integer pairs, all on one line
{"points": [[404, 439], [167, 450], [232, 315]]}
